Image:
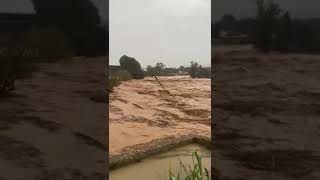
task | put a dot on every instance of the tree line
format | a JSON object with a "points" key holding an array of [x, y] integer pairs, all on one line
{"points": [[78, 19], [132, 66], [273, 29], [62, 28]]}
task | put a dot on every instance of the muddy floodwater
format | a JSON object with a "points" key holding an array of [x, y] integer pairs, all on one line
{"points": [[140, 111], [157, 166], [268, 107]]}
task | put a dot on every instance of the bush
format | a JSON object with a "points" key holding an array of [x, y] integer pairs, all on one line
{"points": [[116, 78], [11, 69], [48, 42]]}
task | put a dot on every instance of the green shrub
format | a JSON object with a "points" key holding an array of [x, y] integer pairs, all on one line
{"points": [[116, 78], [196, 172], [11, 69], [15, 63]]}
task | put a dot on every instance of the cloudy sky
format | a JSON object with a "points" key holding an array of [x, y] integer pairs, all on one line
{"points": [[19, 6], [25, 6], [246, 8], [174, 32]]}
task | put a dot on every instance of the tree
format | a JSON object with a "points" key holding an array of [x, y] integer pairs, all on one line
{"points": [[159, 68], [181, 68], [303, 37], [267, 14], [197, 71], [283, 39], [194, 69], [78, 18], [227, 21], [150, 71], [132, 66]]}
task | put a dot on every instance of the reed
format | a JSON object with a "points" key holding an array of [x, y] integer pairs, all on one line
{"points": [[188, 172]]}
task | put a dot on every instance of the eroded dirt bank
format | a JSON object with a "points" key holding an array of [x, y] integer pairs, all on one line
{"points": [[267, 112], [54, 122], [140, 111]]}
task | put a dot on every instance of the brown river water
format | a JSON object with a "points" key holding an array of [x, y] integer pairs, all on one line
{"points": [[157, 166]]}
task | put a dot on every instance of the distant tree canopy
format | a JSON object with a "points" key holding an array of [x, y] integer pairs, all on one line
{"points": [[160, 69], [79, 19], [132, 66], [68, 14], [276, 30], [197, 71], [150, 71], [228, 21], [273, 29], [283, 30], [50, 43], [267, 15]]}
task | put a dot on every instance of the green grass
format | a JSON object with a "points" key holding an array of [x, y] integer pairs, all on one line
{"points": [[188, 172]]}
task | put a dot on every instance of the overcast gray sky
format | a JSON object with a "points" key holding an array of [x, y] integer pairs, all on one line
{"points": [[246, 8], [18, 6], [174, 32], [25, 6]]}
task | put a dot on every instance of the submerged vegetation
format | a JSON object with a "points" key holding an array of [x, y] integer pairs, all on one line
{"points": [[195, 70], [194, 172], [118, 76], [129, 68]]}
